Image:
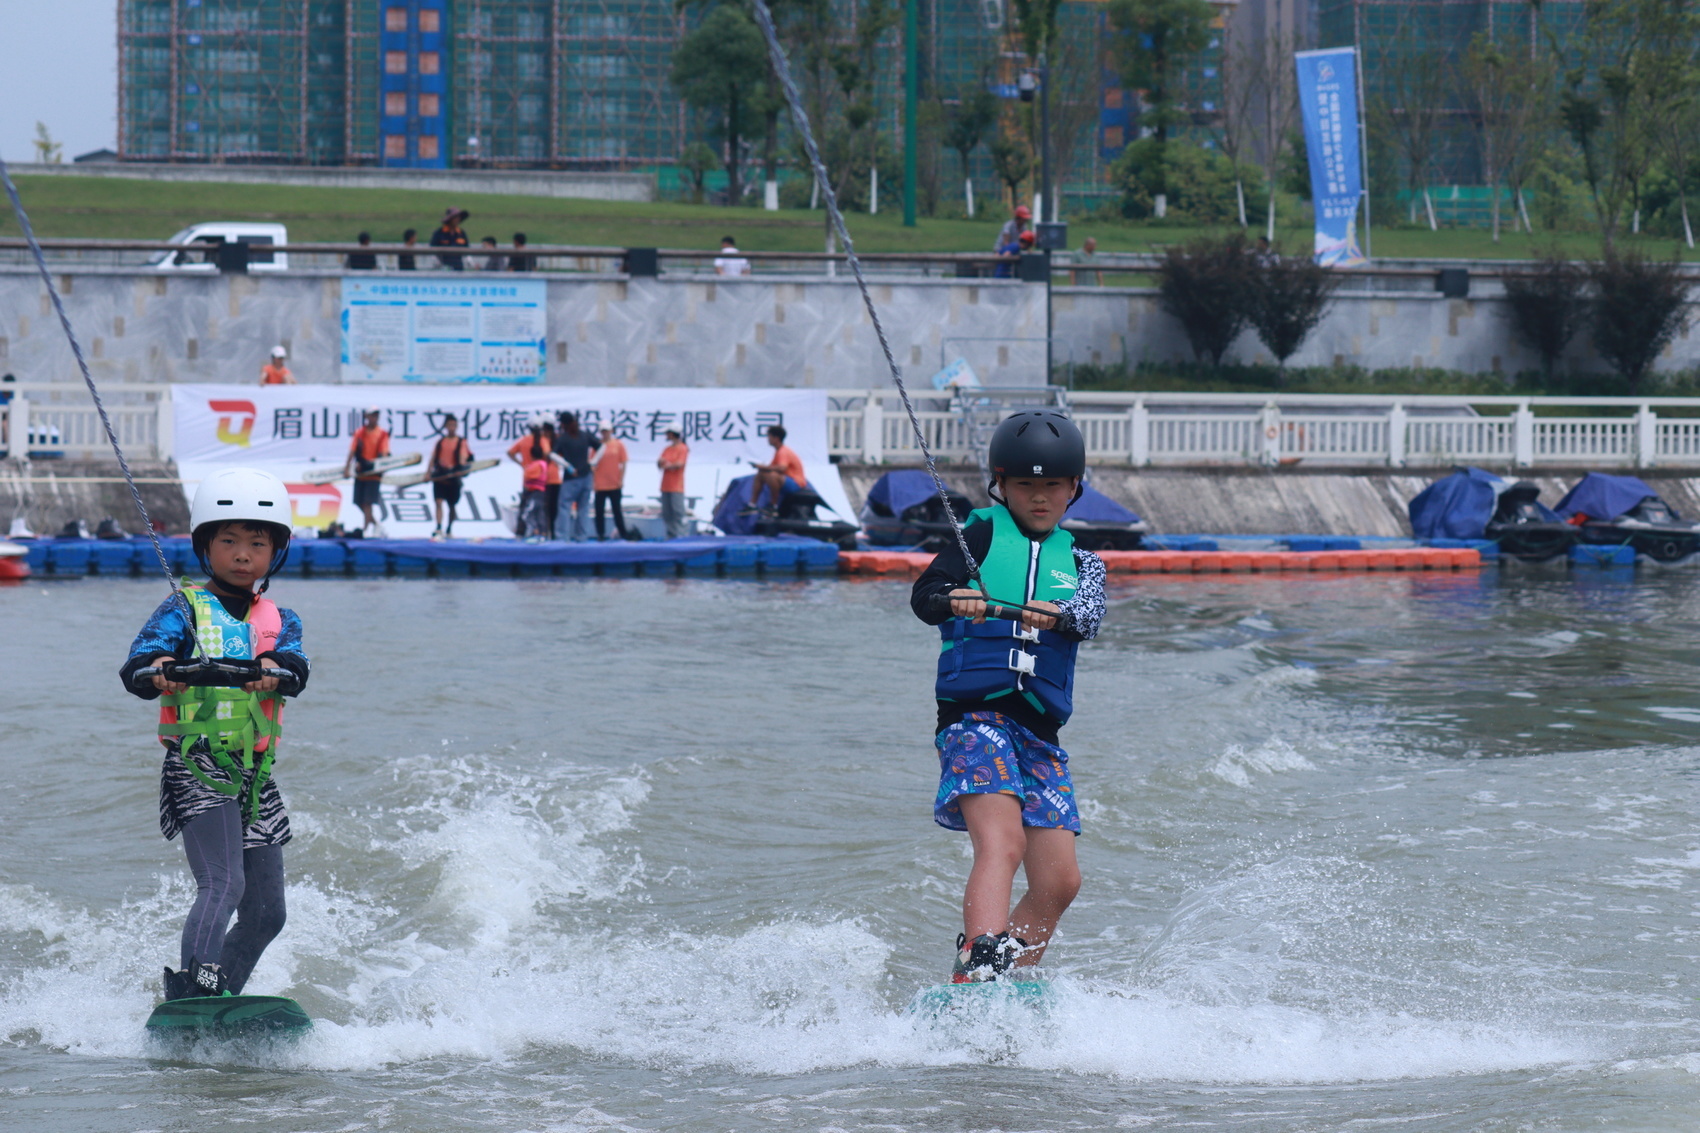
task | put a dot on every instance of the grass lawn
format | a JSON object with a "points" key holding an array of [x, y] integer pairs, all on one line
{"points": [[152, 210]]}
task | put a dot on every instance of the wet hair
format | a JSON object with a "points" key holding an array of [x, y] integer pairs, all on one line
{"points": [[776, 431]]}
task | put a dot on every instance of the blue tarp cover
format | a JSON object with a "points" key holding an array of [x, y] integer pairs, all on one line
{"points": [[1094, 506], [902, 489], [1599, 496], [1455, 507], [736, 499]]}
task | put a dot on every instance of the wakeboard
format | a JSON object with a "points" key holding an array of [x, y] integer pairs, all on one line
{"points": [[409, 479], [228, 1016], [331, 473], [947, 999]]}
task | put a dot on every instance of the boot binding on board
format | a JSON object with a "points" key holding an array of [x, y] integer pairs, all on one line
{"points": [[986, 959]]}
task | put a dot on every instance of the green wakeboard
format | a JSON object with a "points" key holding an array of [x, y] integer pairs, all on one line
{"points": [[227, 1016], [946, 999]]}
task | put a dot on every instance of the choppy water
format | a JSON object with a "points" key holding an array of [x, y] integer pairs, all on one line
{"points": [[1361, 852]]}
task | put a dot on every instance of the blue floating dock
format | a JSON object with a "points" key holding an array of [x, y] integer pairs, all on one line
{"points": [[735, 555], [1588, 554]]}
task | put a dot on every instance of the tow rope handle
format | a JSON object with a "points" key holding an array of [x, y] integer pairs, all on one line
{"points": [[206, 672], [995, 608]]}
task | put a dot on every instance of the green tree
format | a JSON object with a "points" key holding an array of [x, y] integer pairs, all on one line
{"points": [[1156, 40], [966, 124], [46, 149], [698, 161], [1510, 91], [721, 67], [1013, 163]]}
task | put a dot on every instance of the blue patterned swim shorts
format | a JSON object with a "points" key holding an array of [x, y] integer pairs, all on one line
{"points": [[987, 753]]}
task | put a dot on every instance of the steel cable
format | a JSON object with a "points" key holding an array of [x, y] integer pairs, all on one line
{"points": [[782, 70]]}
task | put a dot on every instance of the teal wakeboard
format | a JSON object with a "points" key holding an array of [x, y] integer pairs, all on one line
{"points": [[227, 1016], [946, 999]]}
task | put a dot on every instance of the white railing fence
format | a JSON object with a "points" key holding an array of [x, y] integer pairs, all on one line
{"points": [[1313, 429], [1120, 428]]}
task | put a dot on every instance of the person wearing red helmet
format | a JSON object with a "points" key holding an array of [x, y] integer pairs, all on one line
{"points": [[1011, 232]]}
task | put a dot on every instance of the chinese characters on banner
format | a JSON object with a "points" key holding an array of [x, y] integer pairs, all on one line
{"points": [[444, 330], [292, 430], [1328, 99]]}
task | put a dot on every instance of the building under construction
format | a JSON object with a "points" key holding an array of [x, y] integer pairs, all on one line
{"points": [[406, 83]]}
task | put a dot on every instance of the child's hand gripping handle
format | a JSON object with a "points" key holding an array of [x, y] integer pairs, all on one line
{"points": [[209, 672], [976, 606]]}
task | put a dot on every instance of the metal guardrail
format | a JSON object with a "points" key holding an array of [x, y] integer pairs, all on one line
{"points": [[1141, 429], [1145, 429]]}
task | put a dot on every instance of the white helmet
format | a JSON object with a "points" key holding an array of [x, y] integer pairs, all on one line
{"points": [[538, 420], [245, 494], [279, 352]]}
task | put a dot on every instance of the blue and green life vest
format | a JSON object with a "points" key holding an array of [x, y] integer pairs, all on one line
{"points": [[1003, 658], [237, 725]]}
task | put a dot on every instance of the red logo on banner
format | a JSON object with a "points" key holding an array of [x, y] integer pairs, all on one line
{"points": [[314, 505], [235, 420]]}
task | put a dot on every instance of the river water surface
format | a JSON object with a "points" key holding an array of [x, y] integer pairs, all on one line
{"points": [[1360, 852]]}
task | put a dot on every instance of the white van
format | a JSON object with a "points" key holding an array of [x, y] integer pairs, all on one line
{"points": [[252, 233]]}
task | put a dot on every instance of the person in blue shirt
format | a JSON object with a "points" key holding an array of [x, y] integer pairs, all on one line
{"points": [[1005, 686], [216, 787]]}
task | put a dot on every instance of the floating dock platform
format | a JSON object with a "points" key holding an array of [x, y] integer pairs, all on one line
{"points": [[712, 556]]}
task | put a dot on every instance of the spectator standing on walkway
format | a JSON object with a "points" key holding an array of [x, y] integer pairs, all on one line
{"points": [[450, 235], [521, 260], [275, 373], [609, 480], [1086, 264], [730, 261], [363, 261], [572, 454], [492, 262], [403, 261], [672, 465]]}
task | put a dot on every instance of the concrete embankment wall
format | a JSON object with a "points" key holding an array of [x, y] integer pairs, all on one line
{"points": [[47, 494], [696, 330], [1381, 330], [1177, 501], [1241, 501], [678, 330]]}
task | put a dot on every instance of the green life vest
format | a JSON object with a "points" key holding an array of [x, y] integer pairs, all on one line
{"points": [[235, 724], [999, 657]]}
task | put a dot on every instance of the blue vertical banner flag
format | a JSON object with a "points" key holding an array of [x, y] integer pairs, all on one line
{"points": [[1328, 100]]}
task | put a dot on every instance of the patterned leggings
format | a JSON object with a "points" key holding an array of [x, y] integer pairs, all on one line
{"points": [[230, 880]]}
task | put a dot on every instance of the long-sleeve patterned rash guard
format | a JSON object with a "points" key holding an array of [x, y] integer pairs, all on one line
{"points": [[169, 631], [1081, 617]]}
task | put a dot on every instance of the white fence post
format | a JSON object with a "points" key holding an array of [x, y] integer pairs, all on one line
{"points": [[1139, 435], [165, 425], [873, 430], [1270, 420], [1523, 436], [1396, 436], [1646, 437], [18, 439]]}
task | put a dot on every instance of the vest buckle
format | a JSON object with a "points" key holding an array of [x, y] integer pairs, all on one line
{"points": [[1026, 633], [1021, 662]]}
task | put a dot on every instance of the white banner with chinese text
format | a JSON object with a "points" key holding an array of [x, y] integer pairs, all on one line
{"points": [[293, 430]]}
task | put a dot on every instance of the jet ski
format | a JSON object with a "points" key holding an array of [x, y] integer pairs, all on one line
{"points": [[1527, 529], [1623, 510], [903, 509], [1099, 523], [796, 516]]}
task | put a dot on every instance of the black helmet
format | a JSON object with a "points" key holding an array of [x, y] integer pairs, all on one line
{"points": [[1039, 442]]}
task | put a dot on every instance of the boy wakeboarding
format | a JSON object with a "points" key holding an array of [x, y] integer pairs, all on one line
{"points": [[220, 730], [1005, 686]]}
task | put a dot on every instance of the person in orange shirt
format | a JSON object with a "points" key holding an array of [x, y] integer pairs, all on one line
{"points": [[543, 430], [672, 465], [369, 444], [532, 522], [275, 373], [782, 477], [608, 478]]}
